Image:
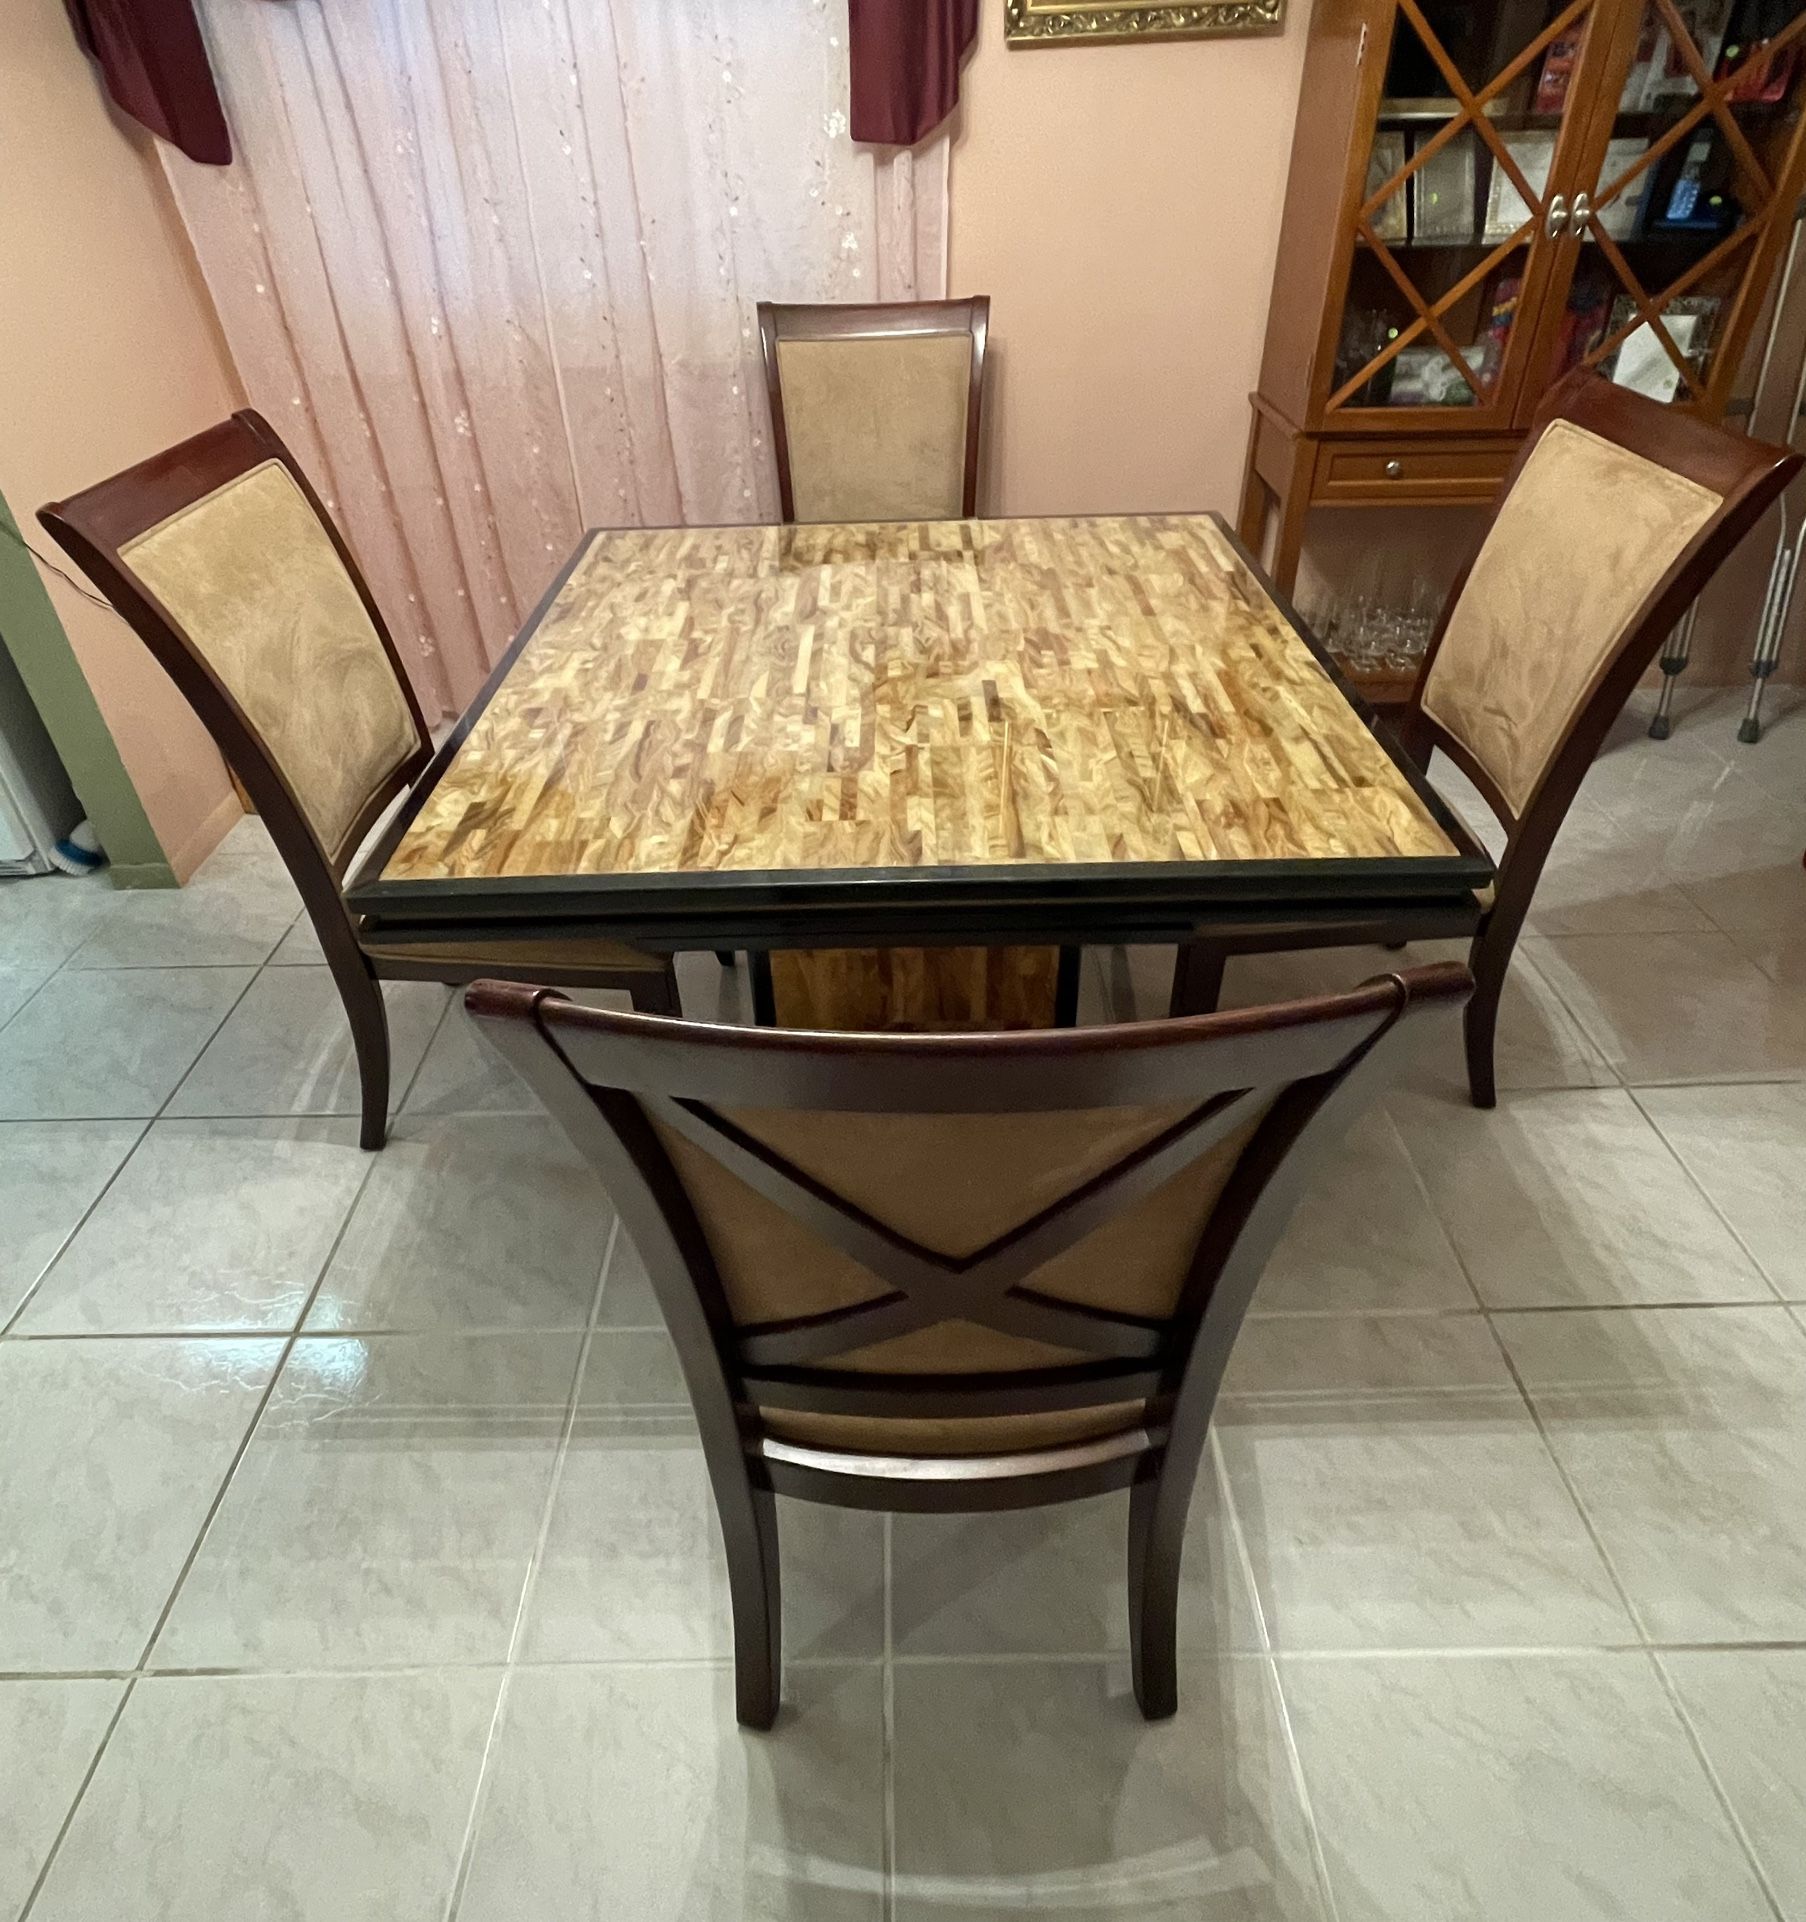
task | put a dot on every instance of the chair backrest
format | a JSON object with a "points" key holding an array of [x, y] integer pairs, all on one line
{"points": [[1616, 513], [1026, 1252], [221, 557], [875, 411]]}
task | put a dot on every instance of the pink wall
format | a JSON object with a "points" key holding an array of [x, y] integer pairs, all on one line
{"points": [[1121, 206], [109, 351]]}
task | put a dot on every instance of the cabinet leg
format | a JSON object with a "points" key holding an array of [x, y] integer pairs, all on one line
{"points": [[1288, 548]]}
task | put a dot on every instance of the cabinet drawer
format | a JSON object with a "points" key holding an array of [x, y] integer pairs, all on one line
{"points": [[1413, 471]]}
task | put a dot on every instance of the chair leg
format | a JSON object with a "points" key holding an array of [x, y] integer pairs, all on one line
{"points": [[1479, 1025], [1156, 1543], [756, 1589], [368, 1014], [656, 993], [1490, 963]]}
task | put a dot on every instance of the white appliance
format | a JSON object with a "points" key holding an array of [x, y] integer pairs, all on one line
{"points": [[37, 804]]}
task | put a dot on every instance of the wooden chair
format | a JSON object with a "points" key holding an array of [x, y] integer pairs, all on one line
{"points": [[944, 1273], [876, 411], [220, 556], [876, 415], [1615, 515]]}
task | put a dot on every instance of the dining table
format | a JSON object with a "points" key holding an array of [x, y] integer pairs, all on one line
{"points": [[855, 750]]}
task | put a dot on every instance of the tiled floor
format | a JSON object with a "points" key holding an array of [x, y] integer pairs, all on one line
{"points": [[356, 1558]]}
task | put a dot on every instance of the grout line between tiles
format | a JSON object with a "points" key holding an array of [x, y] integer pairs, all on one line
{"points": [[479, 1798], [148, 1123], [1744, 1840], [888, 1686], [1680, 1161], [213, 1508]]}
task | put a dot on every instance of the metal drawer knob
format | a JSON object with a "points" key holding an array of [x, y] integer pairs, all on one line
{"points": [[1394, 468]]}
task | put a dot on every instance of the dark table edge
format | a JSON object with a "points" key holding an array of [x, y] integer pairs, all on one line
{"points": [[1207, 888]]}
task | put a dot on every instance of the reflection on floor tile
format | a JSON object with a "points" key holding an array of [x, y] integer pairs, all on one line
{"points": [[1678, 1007], [1393, 1492], [1365, 1239], [386, 1509], [110, 1044], [633, 1566], [1054, 1581], [50, 1174], [49, 1732], [287, 1048], [319, 1798], [1571, 1198], [1748, 1708], [787, 1827], [1512, 1790], [1746, 1148], [462, 1075], [1029, 1789], [472, 1221], [212, 1226], [1683, 1431], [232, 914], [114, 1451]]}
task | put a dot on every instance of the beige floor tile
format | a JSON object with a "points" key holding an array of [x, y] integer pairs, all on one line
{"points": [[51, 1173], [287, 1048], [212, 1227], [1393, 1491], [1746, 1147], [386, 1510], [1748, 1707], [1364, 1239], [629, 1793], [1031, 1789], [49, 1732], [114, 1451], [1683, 1434], [1556, 1200], [470, 1221], [1678, 1007], [339, 1798], [1519, 1789]]}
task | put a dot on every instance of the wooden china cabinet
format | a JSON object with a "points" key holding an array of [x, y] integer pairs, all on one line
{"points": [[1485, 193]]}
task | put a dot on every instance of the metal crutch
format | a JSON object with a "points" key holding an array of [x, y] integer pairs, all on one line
{"points": [[1777, 601]]}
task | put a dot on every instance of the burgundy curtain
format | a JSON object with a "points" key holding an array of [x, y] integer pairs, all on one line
{"points": [[155, 65], [905, 57]]}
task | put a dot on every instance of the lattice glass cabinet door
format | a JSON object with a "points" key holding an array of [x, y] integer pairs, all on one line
{"points": [[1673, 236], [1480, 134]]}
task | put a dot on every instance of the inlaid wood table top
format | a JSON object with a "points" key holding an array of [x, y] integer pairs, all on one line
{"points": [[1003, 703]]}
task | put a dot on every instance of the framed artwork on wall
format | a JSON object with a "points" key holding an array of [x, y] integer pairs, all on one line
{"points": [[1030, 23]]}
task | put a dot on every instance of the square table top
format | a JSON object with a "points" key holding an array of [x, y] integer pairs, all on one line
{"points": [[906, 699]]}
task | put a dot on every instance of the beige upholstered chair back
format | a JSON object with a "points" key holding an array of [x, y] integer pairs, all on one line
{"points": [[1587, 532], [875, 410], [253, 580], [952, 1183]]}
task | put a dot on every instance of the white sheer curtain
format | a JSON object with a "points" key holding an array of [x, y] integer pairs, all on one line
{"points": [[490, 268]]}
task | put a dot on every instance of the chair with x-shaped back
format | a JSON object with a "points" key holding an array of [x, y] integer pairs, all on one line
{"points": [[957, 1272]]}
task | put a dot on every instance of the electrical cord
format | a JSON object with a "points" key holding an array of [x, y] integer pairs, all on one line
{"points": [[51, 567]]}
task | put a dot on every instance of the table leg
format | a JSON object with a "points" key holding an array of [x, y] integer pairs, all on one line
{"points": [[1197, 979]]}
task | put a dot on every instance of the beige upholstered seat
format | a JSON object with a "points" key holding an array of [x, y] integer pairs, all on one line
{"points": [[877, 427], [1587, 531], [255, 582], [952, 1183]]}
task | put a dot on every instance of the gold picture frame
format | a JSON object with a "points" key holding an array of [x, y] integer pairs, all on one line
{"points": [[1029, 23]]}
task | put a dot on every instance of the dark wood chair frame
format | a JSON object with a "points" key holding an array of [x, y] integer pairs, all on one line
{"points": [[896, 320], [1750, 476], [91, 527], [607, 1077]]}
